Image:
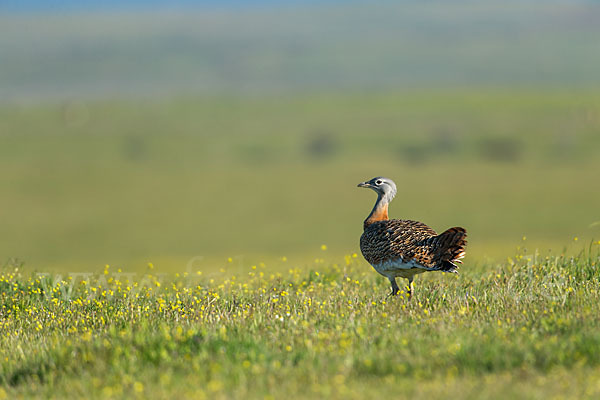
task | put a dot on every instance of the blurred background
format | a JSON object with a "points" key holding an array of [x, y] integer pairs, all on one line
{"points": [[168, 131]]}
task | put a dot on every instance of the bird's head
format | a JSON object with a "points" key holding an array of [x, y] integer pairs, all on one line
{"points": [[385, 187]]}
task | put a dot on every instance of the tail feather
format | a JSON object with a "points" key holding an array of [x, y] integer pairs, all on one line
{"points": [[449, 247], [448, 266]]}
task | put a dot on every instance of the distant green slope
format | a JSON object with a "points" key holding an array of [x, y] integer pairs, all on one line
{"points": [[326, 47]]}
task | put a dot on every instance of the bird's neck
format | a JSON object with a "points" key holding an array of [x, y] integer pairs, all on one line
{"points": [[379, 212]]}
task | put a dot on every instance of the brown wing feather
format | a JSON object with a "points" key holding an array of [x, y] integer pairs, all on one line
{"points": [[412, 240]]}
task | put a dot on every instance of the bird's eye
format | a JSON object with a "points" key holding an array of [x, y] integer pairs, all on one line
{"points": [[378, 182]]}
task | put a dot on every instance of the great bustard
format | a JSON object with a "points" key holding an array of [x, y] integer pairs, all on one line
{"points": [[404, 248]]}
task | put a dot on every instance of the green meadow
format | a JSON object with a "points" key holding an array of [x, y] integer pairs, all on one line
{"points": [[526, 329], [257, 178], [179, 216], [207, 247]]}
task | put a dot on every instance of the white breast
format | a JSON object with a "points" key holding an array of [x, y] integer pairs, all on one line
{"points": [[397, 267]]}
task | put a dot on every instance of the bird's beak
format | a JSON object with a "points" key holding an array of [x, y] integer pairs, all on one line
{"points": [[364, 184]]}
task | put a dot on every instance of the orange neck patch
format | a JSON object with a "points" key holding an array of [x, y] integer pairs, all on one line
{"points": [[379, 213]]}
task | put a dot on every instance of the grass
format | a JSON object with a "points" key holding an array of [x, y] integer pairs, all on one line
{"points": [[527, 328], [211, 186]]}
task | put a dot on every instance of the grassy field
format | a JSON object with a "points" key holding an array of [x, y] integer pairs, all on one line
{"points": [[124, 183], [526, 329], [179, 216], [234, 200]]}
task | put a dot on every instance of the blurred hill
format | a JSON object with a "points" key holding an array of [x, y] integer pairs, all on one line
{"points": [[299, 47], [37, 6]]}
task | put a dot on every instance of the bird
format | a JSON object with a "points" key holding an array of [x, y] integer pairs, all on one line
{"points": [[405, 248]]}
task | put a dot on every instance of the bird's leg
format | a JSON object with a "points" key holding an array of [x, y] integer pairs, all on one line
{"points": [[410, 287], [395, 288]]}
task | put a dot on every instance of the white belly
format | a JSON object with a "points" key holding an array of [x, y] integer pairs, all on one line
{"points": [[399, 268]]}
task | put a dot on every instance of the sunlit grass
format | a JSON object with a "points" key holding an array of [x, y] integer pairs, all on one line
{"points": [[518, 329]]}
